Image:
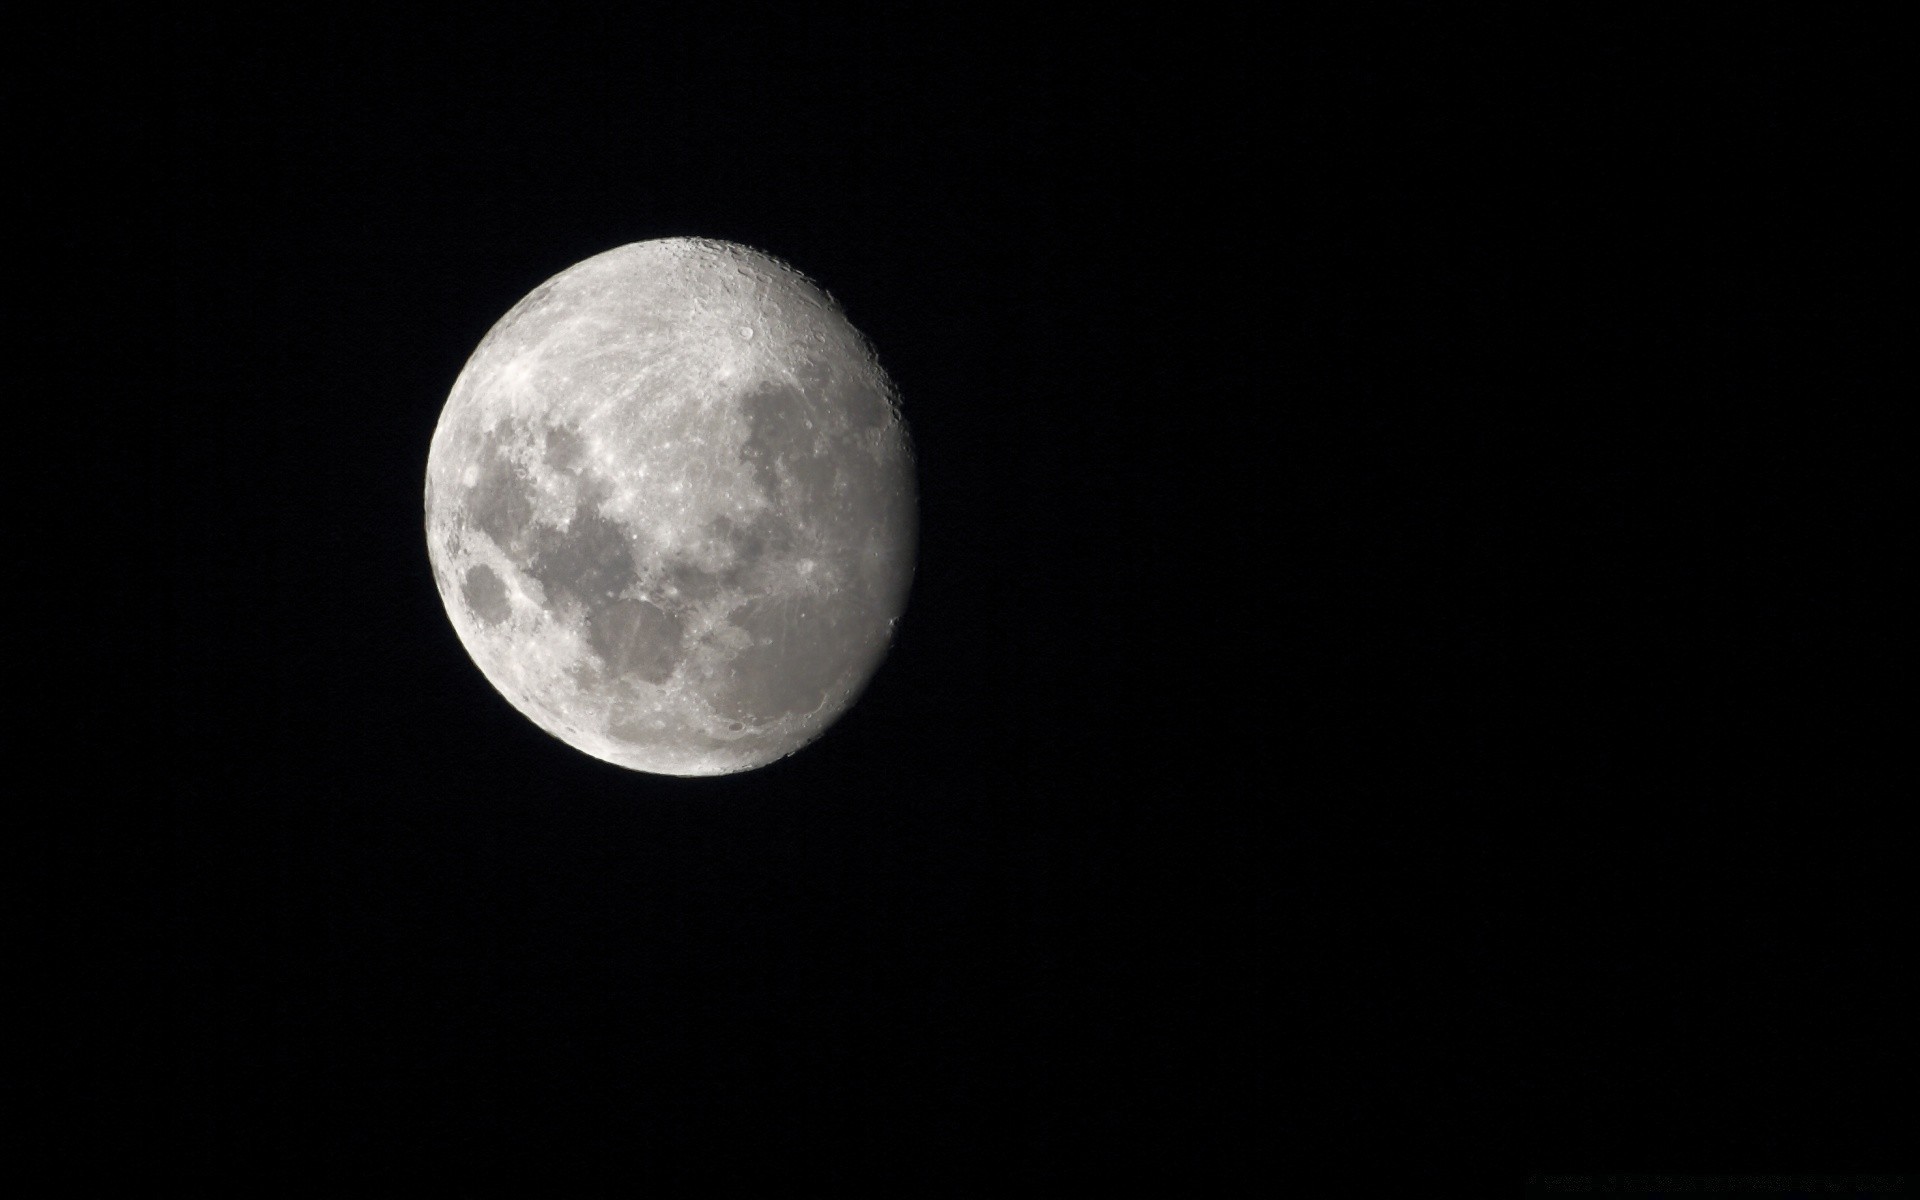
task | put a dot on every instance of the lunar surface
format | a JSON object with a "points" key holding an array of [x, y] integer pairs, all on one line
{"points": [[670, 508]]}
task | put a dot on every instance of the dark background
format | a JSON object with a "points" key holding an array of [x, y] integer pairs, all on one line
{"points": [[1381, 485]]}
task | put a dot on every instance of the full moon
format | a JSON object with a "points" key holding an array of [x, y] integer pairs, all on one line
{"points": [[670, 508]]}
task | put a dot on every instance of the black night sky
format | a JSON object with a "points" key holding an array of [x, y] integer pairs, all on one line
{"points": [[1387, 680]]}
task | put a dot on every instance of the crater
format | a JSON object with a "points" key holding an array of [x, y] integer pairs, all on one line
{"points": [[485, 595], [636, 638]]}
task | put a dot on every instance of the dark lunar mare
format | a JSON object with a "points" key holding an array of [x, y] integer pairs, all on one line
{"points": [[485, 595], [635, 637], [590, 561], [500, 503], [806, 460]]}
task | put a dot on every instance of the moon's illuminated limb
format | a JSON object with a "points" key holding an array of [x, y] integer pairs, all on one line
{"points": [[670, 508]]}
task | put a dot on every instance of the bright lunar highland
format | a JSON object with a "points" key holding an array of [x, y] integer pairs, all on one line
{"points": [[670, 508]]}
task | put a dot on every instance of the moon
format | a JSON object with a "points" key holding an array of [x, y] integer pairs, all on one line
{"points": [[670, 508]]}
